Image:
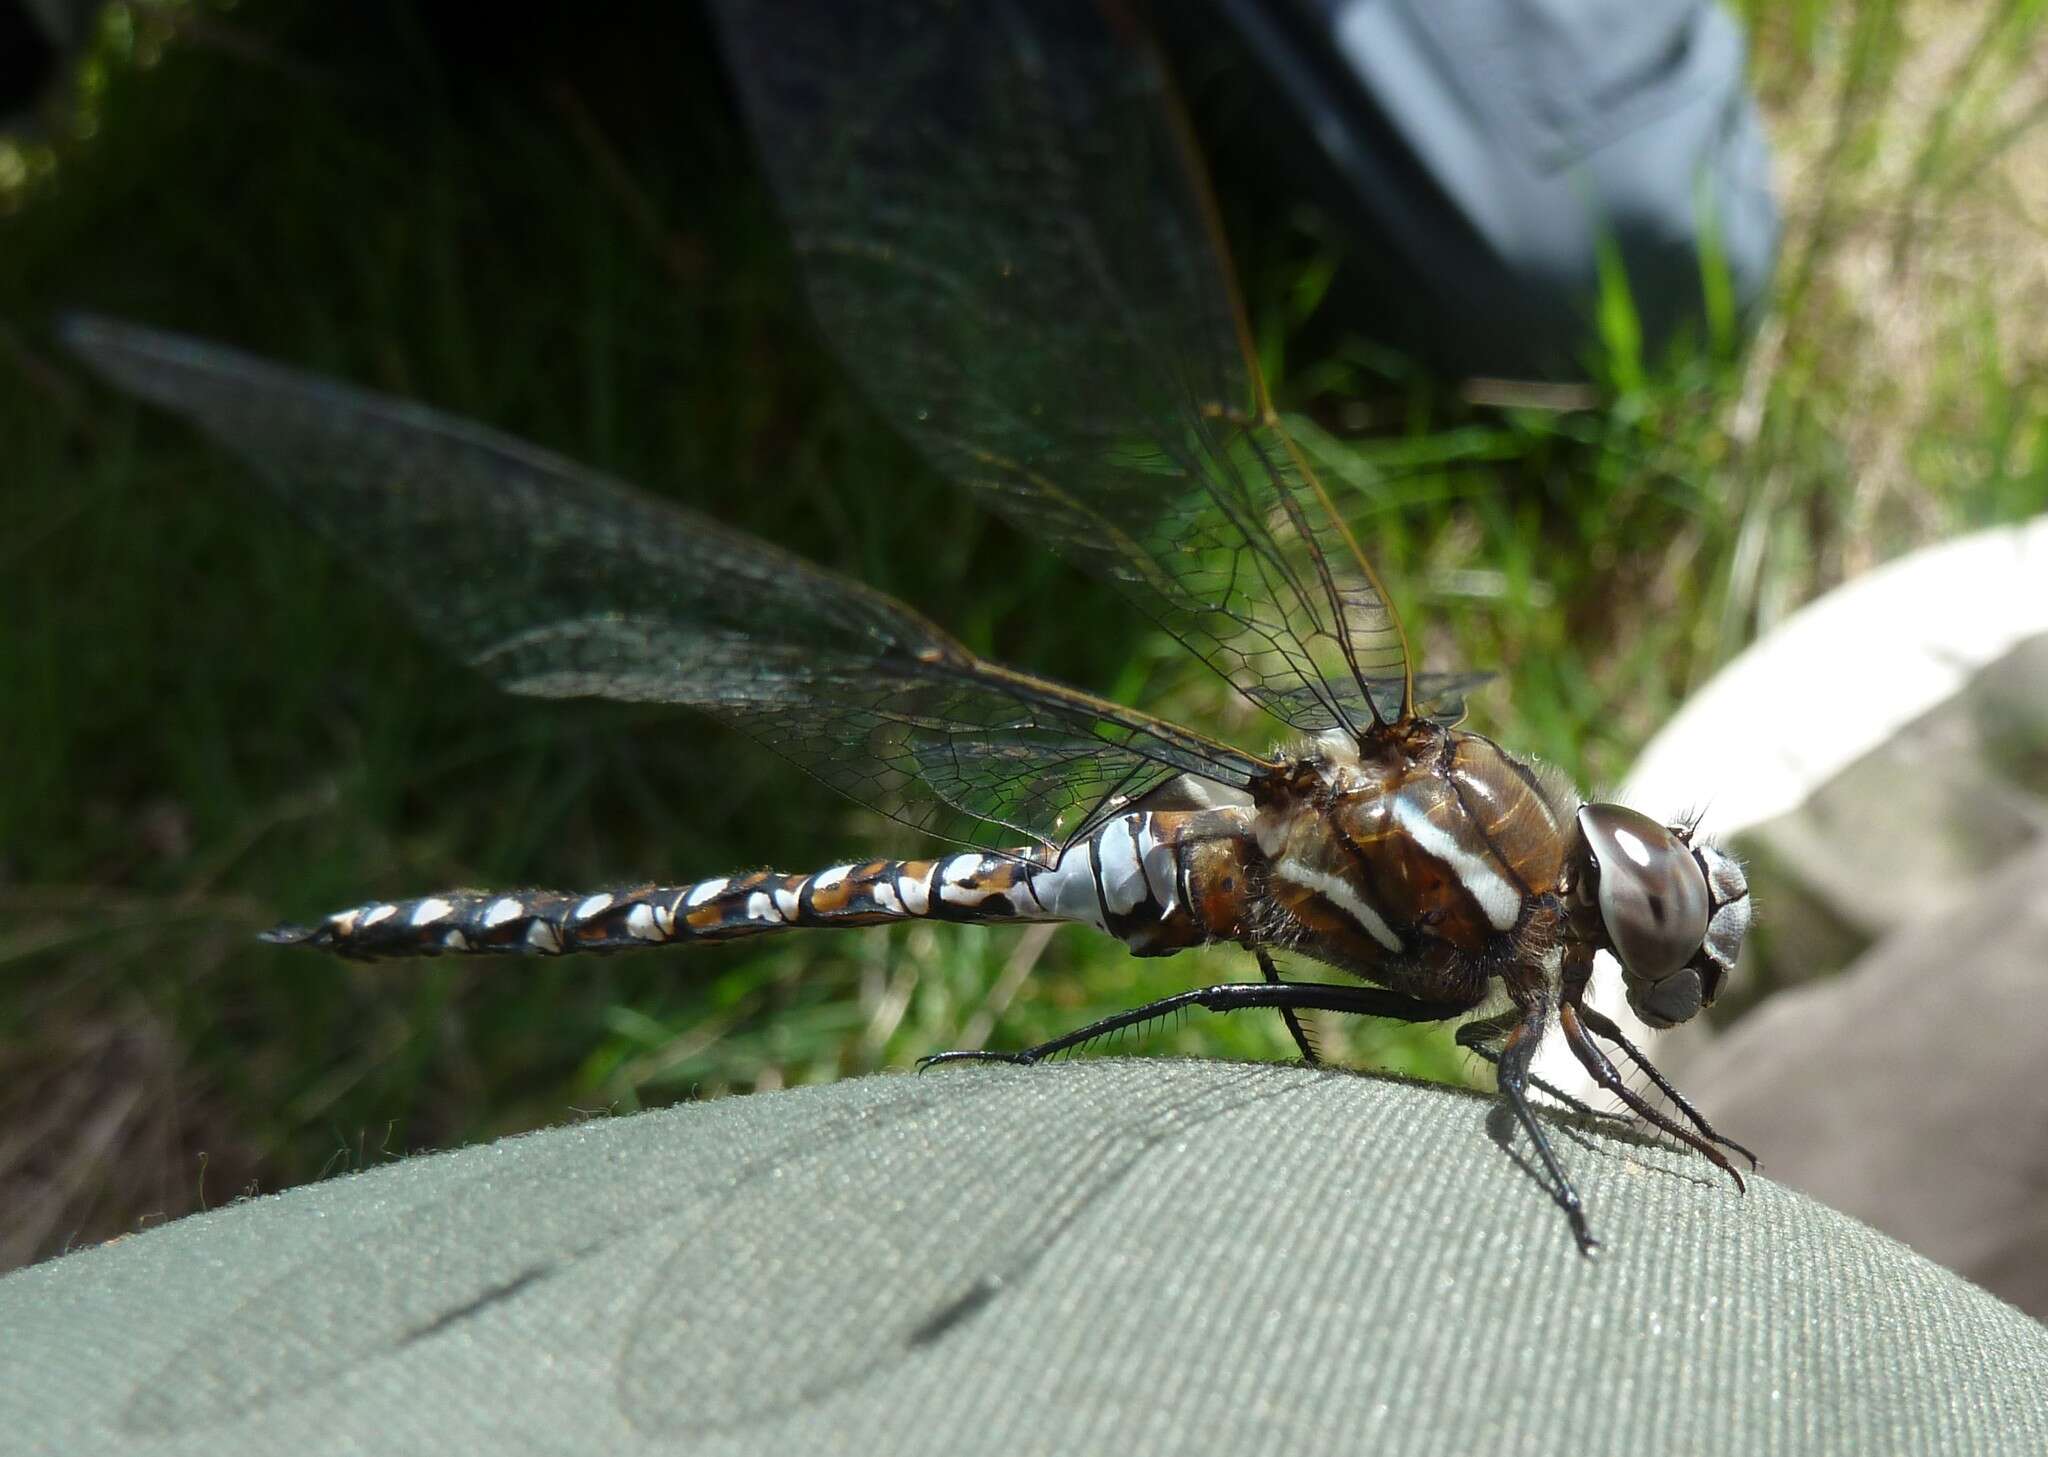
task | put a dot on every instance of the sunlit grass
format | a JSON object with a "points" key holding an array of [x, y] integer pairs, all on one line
{"points": [[210, 723]]}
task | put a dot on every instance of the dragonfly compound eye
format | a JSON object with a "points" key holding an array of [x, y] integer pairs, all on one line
{"points": [[1654, 904]]}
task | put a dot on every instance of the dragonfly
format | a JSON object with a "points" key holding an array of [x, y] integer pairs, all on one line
{"points": [[1003, 226]]}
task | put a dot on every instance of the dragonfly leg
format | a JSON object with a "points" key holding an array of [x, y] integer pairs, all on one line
{"points": [[1600, 1025], [1511, 1076], [1287, 1014], [1236, 996], [1595, 1062], [1484, 1037]]}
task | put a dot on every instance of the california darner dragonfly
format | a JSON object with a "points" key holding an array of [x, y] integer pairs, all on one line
{"points": [[1006, 237]]}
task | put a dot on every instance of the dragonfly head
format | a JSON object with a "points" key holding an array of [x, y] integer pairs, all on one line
{"points": [[1673, 913]]}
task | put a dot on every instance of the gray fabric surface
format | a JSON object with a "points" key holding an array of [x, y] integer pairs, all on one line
{"points": [[1138, 1256]]}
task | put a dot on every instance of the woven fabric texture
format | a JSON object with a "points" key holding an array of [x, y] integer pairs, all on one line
{"points": [[1129, 1256]]}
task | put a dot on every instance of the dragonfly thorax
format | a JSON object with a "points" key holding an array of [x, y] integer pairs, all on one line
{"points": [[1427, 849]]}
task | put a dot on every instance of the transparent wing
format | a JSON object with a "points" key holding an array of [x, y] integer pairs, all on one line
{"points": [[1005, 236], [557, 582]]}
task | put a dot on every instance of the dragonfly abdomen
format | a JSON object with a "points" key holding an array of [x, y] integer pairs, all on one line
{"points": [[1156, 880], [553, 923]]}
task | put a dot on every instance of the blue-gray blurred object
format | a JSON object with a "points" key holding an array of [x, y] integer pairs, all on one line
{"points": [[1487, 150]]}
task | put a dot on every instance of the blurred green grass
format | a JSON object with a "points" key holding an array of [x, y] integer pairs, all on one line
{"points": [[208, 723]]}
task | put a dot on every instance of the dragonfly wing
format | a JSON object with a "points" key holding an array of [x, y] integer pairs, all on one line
{"points": [[555, 581], [1006, 237], [1437, 696]]}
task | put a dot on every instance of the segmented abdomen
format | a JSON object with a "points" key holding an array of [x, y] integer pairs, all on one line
{"points": [[1157, 880]]}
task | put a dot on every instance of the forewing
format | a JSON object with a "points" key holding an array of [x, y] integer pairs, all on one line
{"points": [[557, 582], [1005, 236]]}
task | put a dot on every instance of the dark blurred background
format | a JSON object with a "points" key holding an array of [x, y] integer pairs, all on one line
{"points": [[550, 219]]}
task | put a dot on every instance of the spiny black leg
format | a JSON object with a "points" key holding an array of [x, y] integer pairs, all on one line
{"points": [[1595, 1062], [1234, 996], [1603, 1026], [1294, 1027], [1511, 1074], [1481, 1037]]}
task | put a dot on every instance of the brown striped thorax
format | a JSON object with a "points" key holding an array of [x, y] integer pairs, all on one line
{"points": [[1422, 849], [1433, 854]]}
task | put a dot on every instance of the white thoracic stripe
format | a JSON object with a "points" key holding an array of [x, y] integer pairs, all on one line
{"points": [[1498, 899], [1342, 896], [705, 892]]}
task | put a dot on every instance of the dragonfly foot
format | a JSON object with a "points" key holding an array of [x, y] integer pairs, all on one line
{"points": [[1015, 1059]]}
